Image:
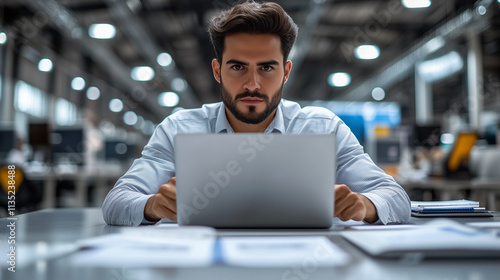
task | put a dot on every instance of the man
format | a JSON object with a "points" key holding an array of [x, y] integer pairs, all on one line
{"points": [[252, 42]]}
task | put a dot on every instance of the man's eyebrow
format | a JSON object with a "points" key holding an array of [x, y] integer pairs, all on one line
{"points": [[270, 62], [234, 61]]}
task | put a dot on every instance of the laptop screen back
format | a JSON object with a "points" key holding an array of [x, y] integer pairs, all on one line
{"points": [[255, 180]]}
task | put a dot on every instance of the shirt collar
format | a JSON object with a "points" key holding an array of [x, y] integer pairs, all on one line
{"points": [[221, 124], [276, 126]]}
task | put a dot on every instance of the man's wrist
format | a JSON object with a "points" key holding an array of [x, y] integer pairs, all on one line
{"points": [[371, 215], [149, 214]]}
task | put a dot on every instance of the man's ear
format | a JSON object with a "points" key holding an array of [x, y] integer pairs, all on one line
{"points": [[216, 69], [288, 68]]}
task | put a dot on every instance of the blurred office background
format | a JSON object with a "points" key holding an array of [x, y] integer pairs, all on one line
{"points": [[83, 83]]}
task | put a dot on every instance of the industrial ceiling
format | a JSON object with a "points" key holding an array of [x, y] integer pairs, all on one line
{"points": [[329, 30]]}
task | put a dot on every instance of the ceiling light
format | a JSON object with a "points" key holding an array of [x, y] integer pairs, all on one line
{"points": [[168, 99], [78, 83], [447, 138], [178, 84], [3, 38], [339, 79], [102, 31], [130, 118], [148, 128], [115, 105], [140, 123], [93, 93], [45, 65], [416, 4], [378, 93], [142, 73], [367, 52], [164, 59], [441, 67], [434, 44], [481, 10]]}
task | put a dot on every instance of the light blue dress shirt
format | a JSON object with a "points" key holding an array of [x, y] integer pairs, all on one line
{"points": [[124, 204]]}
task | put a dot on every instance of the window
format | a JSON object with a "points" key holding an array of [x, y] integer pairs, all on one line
{"points": [[66, 112], [30, 100]]}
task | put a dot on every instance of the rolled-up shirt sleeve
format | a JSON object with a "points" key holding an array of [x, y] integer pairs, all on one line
{"points": [[357, 170], [124, 204]]}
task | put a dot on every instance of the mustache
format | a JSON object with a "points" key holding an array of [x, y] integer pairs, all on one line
{"points": [[251, 94]]}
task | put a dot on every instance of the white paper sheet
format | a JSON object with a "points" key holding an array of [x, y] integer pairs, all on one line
{"points": [[281, 251], [149, 247]]}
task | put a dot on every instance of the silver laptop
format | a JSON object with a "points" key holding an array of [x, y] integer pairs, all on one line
{"points": [[255, 180]]}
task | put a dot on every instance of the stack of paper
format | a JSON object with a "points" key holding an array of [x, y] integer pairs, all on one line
{"points": [[438, 238], [448, 208]]}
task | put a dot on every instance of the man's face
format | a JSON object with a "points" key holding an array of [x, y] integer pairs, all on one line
{"points": [[251, 75]]}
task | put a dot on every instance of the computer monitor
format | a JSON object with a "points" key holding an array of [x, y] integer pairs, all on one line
{"points": [[68, 145], [387, 151], [39, 135], [119, 150], [7, 141], [427, 136], [39, 141]]}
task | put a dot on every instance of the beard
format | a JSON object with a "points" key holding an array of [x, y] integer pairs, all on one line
{"points": [[251, 116]]}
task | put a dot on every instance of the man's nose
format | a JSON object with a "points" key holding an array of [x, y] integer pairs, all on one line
{"points": [[252, 82]]}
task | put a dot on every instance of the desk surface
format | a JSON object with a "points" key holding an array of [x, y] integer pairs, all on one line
{"points": [[54, 228]]}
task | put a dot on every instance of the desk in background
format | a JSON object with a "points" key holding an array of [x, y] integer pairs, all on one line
{"points": [[102, 177], [50, 230]]}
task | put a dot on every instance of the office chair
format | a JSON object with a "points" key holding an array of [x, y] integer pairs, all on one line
{"points": [[26, 195], [456, 163]]}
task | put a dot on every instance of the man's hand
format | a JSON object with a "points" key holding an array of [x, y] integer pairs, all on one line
{"points": [[351, 205], [163, 204]]}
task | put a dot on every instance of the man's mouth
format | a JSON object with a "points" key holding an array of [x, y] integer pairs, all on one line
{"points": [[251, 100]]}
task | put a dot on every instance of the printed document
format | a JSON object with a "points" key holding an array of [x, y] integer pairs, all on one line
{"points": [[149, 247], [281, 251]]}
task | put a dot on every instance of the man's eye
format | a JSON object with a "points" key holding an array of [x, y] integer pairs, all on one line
{"points": [[267, 68], [237, 67]]}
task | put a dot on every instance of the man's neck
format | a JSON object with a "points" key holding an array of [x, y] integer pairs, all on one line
{"points": [[241, 127]]}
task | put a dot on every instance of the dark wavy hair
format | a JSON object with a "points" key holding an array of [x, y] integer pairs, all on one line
{"points": [[254, 18]]}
